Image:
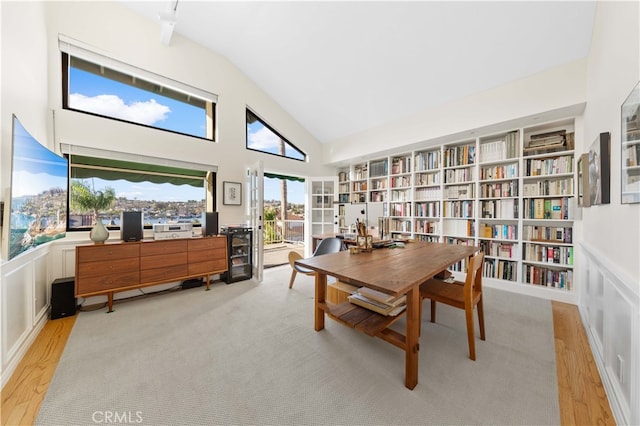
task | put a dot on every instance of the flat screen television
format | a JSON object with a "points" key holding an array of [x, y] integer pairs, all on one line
{"points": [[39, 186]]}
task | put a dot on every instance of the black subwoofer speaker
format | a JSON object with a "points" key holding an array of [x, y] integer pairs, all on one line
{"points": [[131, 226], [210, 224], [63, 300]]}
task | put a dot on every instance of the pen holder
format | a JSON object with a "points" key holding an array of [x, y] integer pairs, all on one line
{"points": [[365, 243]]}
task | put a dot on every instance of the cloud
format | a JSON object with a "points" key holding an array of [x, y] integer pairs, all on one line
{"points": [[148, 112], [264, 139]]}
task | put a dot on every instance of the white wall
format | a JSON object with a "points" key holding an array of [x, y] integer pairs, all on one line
{"points": [[610, 294], [559, 89]]}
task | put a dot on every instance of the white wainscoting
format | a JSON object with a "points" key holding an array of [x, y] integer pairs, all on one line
{"points": [[610, 310], [24, 305]]}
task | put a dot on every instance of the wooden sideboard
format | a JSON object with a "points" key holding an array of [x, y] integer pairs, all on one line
{"points": [[119, 266]]}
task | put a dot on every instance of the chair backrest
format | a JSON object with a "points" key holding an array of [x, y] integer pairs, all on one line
{"points": [[328, 245], [473, 282]]}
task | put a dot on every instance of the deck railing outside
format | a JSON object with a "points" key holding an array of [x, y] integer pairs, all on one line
{"points": [[288, 231]]}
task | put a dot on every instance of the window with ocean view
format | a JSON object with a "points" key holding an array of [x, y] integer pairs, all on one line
{"points": [[163, 194]]}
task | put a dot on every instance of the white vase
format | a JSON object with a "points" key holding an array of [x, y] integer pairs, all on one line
{"points": [[99, 233]]}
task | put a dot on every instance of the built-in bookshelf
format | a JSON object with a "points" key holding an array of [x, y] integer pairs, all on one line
{"points": [[498, 201], [511, 193], [427, 195], [548, 200]]}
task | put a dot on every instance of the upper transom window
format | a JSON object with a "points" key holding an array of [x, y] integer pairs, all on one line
{"points": [[261, 137], [92, 87]]}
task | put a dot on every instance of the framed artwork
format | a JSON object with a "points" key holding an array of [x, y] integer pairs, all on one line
{"points": [[232, 193], [599, 169], [630, 150], [583, 181]]}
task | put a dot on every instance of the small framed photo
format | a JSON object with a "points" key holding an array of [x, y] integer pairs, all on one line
{"points": [[232, 193]]}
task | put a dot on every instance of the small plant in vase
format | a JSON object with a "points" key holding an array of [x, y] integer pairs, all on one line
{"points": [[86, 198]]}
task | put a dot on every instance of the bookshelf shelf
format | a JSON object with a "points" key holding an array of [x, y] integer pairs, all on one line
{"points": [[498, 191]]}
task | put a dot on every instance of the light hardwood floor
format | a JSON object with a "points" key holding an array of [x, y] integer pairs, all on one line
{"points": [[582, 397]]}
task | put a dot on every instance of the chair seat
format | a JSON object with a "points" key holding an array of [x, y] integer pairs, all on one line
{"points": [[302, 270], [446, 292]]}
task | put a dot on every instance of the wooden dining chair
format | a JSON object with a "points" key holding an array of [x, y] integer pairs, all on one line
{"points": [[326, 246], [462, 295]]}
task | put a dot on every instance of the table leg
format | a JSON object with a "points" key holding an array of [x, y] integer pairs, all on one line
{"points": [[321, 292], [412, 336]]}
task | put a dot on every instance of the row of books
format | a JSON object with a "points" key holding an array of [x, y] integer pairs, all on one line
{"points": [[460, 192], [506, 208], [460, 155], [360, 172], [378, 196], [378, 168], [400, 181], [427, 193], [378, 301], [501, 149], [360, 185], [401, 165], [498, 190], [460, 228], [458, 209], [559, 140], [548, 187], [427, 209], [428, 160], [427, 179], [549, 166], [399, 225], [546, 208], [499, 172], [458, 175], [427, 227], [561, 234], [548, 254], [401, 195], [400, 209], [498, 248], [557, 278], [501, 269], [507, 232]]}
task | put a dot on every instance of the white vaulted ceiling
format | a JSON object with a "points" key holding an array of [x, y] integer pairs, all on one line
{"points": [[343, 67]]}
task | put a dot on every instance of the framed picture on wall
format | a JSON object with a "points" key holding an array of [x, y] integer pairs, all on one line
{"points": [[630, 150], [599, 169], [232, 193], [583, 181]]}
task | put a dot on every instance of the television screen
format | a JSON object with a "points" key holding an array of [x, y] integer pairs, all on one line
{"points": [[39, 184]]}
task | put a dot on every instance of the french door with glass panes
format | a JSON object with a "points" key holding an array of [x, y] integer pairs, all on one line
{"points": [[321, 215]]}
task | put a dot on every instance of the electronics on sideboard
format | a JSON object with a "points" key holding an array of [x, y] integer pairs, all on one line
{"points": [[169, 231]]}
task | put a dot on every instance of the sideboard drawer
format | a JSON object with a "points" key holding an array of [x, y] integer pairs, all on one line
{"points": [[105, 283], [164, 274], [207, 267], [162, 260], [108, 252], [207, 243], [163, 247], [204, 255], [117, 266]]}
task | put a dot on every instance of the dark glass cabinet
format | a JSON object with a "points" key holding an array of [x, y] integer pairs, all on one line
{"points": [[240, 254]]}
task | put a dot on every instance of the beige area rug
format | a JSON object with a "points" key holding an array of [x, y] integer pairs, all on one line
{"points": [[247, 354]]}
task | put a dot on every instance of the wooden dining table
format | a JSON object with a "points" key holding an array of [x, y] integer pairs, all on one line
{"points": [[395, 271]]}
